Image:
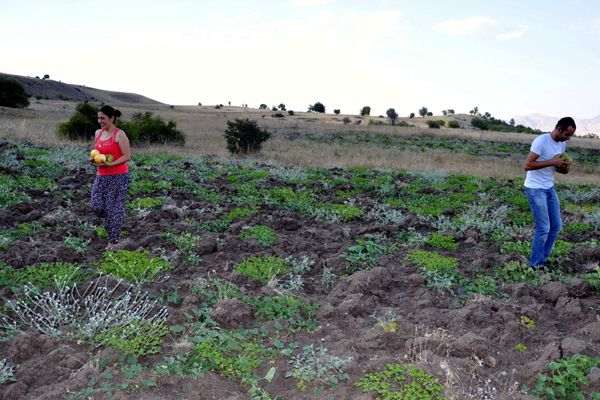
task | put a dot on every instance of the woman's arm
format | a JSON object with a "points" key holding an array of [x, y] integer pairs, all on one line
{"points": [[123, 143]]}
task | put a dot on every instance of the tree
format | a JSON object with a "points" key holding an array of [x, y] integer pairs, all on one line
{"points": [[392, 115], [282, 107], [487, 115], [317, 107], [429, 113], [262, 107], [365, 111], [412, 115], [423, 111], [336, 111], [244, 136], [12, 94], [444, 112], [46, 77], [450, 111], [474, 111], [512, 122]]}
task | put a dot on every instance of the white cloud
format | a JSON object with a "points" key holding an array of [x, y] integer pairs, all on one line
{"points": [[464, 26], [305, 3], [380, 23], [515, 34]]}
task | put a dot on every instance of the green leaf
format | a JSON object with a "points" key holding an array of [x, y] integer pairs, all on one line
{"points": [[270, 375]]}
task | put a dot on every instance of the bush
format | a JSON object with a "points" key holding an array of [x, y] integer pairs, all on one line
{"points": [[480, 123], [433, 124], [142, 128], [244, 136], [346, 120], [336, 111], [12, 94], [365, 111], [82, 125], [290, 112], [149, 128], [453, 124]]}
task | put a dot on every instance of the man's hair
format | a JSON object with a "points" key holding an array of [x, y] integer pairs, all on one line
{"points": [[564, 123]]}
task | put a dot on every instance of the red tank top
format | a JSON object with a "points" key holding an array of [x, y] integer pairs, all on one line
{"points": [[109, 146]]}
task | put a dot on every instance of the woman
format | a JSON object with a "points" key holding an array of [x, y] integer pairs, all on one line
{"points": [[110, 186]]}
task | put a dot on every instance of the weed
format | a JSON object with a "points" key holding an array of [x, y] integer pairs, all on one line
{"points": [[442, 241], [315, 368], [567, 379], [186, 243], [527, 322], [516, 272], [44, 275], [266, 236], [262, 268], [133, 266], [138, 337], [144, 186], [7, 373], [384, 214], [328, 277], [520, 347], [388, 321], [365, 253], [76, 243], [402, 382], [410, 238]]}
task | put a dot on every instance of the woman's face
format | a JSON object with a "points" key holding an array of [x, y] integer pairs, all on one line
{"points": [[104, 121]]}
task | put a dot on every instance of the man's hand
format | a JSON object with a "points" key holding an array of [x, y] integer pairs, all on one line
{"points": [[562, 165]]}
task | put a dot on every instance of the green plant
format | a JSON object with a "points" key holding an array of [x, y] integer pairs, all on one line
{"points": [[442, 241], [133, 266], [520, 347], [138, 337], [388, 321], [402, 382], [527, 322], [76, 243], [186, 243], [315, 367], [567, 379], [453, 124], [12, 94], [433, 124], [244, 136], [365, 253], [365, 111], [145, 127], [82, 124], [262, 268], [144, 203], [433, 261], [43, 276], [515, 272], [294, 310], [146, 186], [266, 236]]}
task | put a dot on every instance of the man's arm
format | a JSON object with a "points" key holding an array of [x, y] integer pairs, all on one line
{"points": [[532, 163]]}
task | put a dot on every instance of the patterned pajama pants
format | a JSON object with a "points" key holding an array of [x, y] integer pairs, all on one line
{"points": [[108, 202]]}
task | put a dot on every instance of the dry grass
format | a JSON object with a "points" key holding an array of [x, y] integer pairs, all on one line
{"points": [[204, 127]]}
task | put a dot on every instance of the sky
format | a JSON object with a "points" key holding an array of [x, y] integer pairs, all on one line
{"points": [[506, 57]]}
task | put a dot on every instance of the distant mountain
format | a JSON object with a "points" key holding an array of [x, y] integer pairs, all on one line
{"points": [[546, 123], [55, 90]]}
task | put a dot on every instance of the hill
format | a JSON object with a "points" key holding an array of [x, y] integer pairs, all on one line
{"points": [[56, 90], [546, 123]]}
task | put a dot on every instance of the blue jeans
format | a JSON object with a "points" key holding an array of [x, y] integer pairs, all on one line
{"points": [[546, 213]]}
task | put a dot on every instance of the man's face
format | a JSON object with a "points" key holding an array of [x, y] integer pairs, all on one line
{"points": [[565, 135]]}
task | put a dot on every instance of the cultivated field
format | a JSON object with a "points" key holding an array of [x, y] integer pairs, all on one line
{"points": [[344, 262]]}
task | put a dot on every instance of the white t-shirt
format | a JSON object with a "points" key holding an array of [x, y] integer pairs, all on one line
{"points": [[546, 149]]}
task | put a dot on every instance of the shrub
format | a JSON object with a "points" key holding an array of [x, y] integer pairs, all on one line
{"points": [[82, 125], [346, 120], [262, 107], [313, 368], [480, 123], [244, 136], [278, 115], [149, 128], [12, 94], [453, 124], [411, 115], [433, 124], [336, 111], [365, 111], [291, 112]]}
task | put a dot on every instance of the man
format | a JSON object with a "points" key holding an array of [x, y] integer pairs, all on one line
{"points": [[543, 160]]}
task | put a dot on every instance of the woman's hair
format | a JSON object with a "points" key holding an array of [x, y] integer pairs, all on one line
{"points": [[110, 112]]}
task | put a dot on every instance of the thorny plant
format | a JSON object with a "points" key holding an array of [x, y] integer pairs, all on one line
{"points": [[102, 306], [385, 214], [315, 367], [7, 373], [388, 321]]}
